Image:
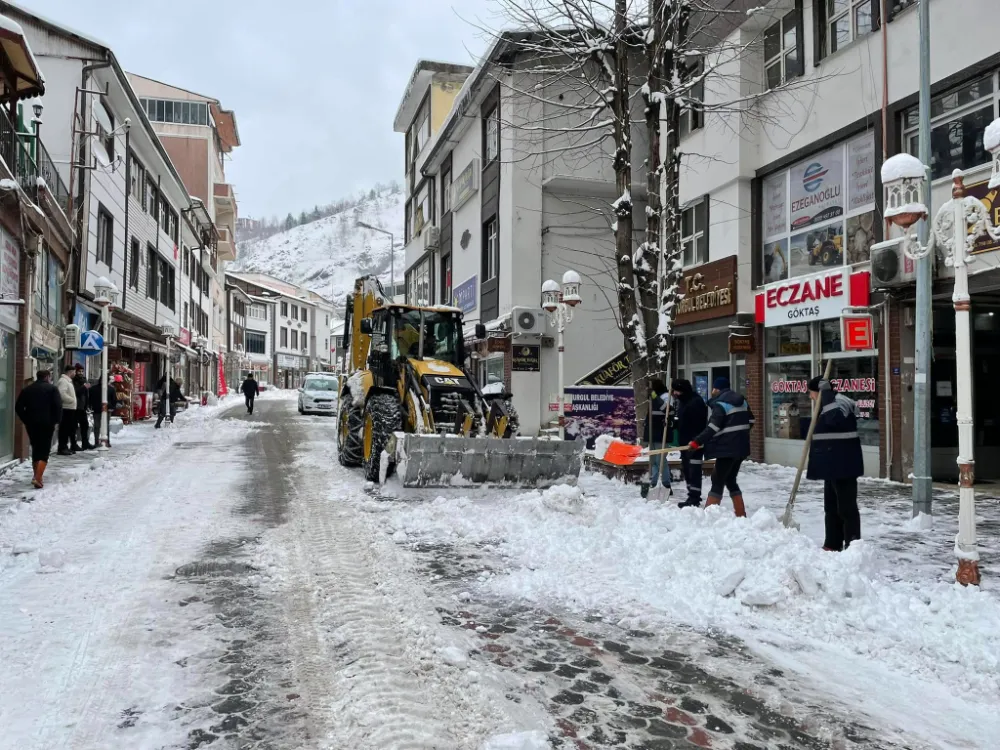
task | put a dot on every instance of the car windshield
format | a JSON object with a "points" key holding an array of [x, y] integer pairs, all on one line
{"points": [[439, 332], [320, 384]]}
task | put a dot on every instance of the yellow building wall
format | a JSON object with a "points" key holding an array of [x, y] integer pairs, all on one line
{"points": [[443, 95]]}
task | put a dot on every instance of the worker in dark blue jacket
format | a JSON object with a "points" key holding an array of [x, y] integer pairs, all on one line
{"points": [[692, 417], [835, 457], [659, 467], [727, 440]]}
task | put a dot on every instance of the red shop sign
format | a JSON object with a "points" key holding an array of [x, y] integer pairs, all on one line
{"points": [[808, 298], [857, 332]]}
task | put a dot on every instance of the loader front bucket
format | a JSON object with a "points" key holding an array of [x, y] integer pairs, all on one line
{"points": [[446, 461]]}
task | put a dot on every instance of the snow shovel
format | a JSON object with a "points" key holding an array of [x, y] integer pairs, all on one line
{"points": [[786, 518], [625, 454]]}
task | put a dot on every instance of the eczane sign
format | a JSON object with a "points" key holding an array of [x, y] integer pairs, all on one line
{"points": [[808, 298]]}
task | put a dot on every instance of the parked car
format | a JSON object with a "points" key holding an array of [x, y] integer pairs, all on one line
{"points": [[318, 394]]}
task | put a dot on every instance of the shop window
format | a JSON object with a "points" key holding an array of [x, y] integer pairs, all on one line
{"points": [[807, 207], [711, 347], [787, 341], [418, 283], [856, 378], [958, 121], [492, 372], [783, 53], [694, 233], [787, 392]]}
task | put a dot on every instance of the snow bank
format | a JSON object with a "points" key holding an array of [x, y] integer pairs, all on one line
{"points": [[613, 552], [518, 741]]}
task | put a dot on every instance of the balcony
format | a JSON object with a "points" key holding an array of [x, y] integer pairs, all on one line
{"points": [[225, 199], [227, 245], [30, 165]]}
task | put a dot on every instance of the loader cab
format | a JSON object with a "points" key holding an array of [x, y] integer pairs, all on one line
{"points": [[427, 334]]}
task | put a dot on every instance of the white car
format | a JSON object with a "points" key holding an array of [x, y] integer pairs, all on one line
{"points": [[318, 394]]}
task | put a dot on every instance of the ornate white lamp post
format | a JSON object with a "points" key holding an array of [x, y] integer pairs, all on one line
{"points": [[956, 227], [106, 296], [558, 304], [169, 333]]}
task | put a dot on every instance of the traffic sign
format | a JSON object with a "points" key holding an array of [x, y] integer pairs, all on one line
{"points": [[91, 342], [857, 332]]}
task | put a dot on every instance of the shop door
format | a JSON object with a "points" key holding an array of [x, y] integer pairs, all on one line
{"points": [[6, 395]]}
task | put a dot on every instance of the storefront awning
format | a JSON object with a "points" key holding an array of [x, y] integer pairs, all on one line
{"points": [[27, 77]]}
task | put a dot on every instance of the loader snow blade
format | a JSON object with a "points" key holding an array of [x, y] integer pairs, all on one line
{"points": [[435, 461]]}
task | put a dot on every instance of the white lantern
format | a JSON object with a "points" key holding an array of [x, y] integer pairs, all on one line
{"points": [[991, 142], [903, 177], [550, 296], [571, 288], [168, 330], [106, 293]]}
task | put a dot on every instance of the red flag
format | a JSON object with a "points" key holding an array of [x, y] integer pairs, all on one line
{"points": [[223, 389]]}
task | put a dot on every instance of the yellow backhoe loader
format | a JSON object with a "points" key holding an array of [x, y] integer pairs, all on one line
{"points": [[408, 406]]}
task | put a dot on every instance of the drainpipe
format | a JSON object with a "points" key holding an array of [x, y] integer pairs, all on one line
{"points": [[128, 193], [80, 235]]}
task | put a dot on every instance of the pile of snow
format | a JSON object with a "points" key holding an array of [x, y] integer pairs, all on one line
{"points": [[327, 255], [601, 445], [656, 564], [534, 740]]}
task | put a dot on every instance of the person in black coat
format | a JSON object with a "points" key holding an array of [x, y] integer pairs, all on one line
{"points": [[727, 440], [692, 417], [97, 406], [659, 468], [250, 390], [82, 388], [170, 396], [39, 407], [835, 457]]}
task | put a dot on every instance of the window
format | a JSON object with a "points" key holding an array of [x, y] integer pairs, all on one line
{"points": [[180, 112], [326, 319], [149, 200], [258, 311], [820, 213], [256, 343], [783, 51], [326, 345], [284, 309], [185, 321], [958, 120], [418, 283], [421, 208], [446, 280], [105, 127], [842, 21], [491, 135], [295, 339], [152, 271], [295, 312], [692, 112], [284, 337], [420, 131], [491, 251], [186, 254], [305, 315], [137, 178], [133, 264], [105, 236], [694, 237], [445, 192], [167, 283]]}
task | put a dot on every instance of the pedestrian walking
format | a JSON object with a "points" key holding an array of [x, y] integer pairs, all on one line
{"points": [[835, 457], [170, 397], [97, 406], [659, 466], [250, 390], [726, 438], [39, 407], [692, 418], [82, 389], [67, 424]]}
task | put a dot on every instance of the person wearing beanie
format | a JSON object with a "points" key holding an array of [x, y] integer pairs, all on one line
{"points": [[692, 416], [726, 438], [659, 468], [835, 457]]}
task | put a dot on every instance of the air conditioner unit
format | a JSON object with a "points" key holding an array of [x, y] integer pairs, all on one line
{"points": [[432, 238], [71, 336], [528, 322], [890, 267]]}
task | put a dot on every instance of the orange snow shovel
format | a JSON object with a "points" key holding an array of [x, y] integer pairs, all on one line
{"points": [[625, 454]]}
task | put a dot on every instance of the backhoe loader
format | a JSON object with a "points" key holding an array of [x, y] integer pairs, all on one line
{"points": [[408, 405]]}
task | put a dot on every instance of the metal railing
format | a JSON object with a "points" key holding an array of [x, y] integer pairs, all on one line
{"points": [[28, 160]]}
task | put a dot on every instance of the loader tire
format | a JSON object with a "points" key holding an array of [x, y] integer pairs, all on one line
{"points": [[349, 426], [513, 420], [382, 418]]}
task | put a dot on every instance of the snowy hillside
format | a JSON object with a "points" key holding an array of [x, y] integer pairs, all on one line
{"points": [[328, 254]]}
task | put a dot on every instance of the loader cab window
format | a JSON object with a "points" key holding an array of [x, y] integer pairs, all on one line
{"points": [[421, 334]]}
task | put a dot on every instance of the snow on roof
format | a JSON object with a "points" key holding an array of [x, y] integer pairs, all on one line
{"points": [[991, 138], [902, 166]]}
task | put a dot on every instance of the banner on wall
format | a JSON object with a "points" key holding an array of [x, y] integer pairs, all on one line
{"points": [[600, 410], [817, 189]]}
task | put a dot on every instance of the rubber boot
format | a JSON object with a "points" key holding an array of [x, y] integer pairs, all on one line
{"points": [[36, 481], [738, 507], [713, 500]]}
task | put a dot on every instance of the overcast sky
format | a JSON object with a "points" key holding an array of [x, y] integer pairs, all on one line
{"points": [[314, 83]]}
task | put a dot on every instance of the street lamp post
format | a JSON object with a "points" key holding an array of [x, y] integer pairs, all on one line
{"points": [[392, 254], [956, 227], [106, 296], [558, 304]]}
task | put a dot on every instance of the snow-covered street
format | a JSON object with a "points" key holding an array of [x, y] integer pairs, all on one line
{"points": [[224, 583]]}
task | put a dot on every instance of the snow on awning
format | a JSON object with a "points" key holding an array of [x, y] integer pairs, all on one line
{"points": [[28, 79]]}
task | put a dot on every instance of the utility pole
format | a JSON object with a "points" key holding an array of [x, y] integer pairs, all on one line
{"points": [[922, 496]]}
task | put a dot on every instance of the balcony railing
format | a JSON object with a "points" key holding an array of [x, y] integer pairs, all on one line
{"points": [[27, 160]]}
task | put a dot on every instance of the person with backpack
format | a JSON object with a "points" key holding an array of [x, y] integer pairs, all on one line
{"points": [[692, 417], [727, 440]]}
